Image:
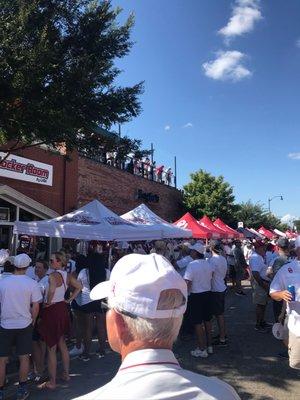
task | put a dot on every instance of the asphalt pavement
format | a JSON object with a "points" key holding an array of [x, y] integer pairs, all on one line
{"points": [[249, 363]]}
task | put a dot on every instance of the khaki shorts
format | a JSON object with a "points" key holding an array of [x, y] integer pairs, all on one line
{"points": [[294, 351], [260, 295]]}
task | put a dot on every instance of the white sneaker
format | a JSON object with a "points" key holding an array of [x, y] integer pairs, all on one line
{"points": [[75, 351], [210, 350], [199, 353]]}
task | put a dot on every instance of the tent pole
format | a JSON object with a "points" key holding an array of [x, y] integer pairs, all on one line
{"points": [[110, 257]]}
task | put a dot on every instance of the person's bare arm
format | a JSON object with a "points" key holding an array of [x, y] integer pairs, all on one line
{"points": [[35, 307], [189, 284], [281, 295], [52, 287], [76, 284]]}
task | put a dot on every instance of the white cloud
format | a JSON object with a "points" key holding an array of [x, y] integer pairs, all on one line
{"points": [[288, 219], [227, 66], [188, 125], [294, 156], [167, 127], [245, 14], [298, 43]]}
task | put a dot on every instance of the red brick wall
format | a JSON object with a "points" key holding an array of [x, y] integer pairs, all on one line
{"points": [[62, 195], [117, 190]]}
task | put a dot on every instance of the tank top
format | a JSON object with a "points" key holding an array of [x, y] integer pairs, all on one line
{"points": [[59, 294]]}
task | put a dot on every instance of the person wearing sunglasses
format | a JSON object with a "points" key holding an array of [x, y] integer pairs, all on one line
{"points": [[55, 318]]}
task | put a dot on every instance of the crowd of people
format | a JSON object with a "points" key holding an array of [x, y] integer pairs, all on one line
{"points": [[50, 308], [144, 167]]}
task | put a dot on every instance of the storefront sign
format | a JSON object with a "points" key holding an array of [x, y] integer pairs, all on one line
{"points": [[24, 169], [148, 197]]}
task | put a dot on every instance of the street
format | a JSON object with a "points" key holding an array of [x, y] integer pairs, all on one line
{"points": [[249, 363]]}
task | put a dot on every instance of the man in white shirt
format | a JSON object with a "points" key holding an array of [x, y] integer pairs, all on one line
{"points": [[198, 276], [146, 300], [260, 283], [184, 258], [289, 274], [219, 266], [19, 298]]}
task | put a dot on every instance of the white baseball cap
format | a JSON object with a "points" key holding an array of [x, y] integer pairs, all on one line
{"points": [[199, 247], [22, 261], [136, 283]]}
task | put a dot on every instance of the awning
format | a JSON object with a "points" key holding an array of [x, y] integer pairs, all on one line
{"points": [[91, 222], [142, 215], [189, 222]]}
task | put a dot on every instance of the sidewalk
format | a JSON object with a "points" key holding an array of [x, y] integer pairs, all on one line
{"points": [[249, 363]]}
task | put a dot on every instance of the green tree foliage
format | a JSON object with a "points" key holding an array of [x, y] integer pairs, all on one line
{"points": [[58, 73], [254, 215], [209, 195]]}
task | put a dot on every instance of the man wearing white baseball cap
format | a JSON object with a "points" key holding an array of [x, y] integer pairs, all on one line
{"points": [[146, 300], [19, 300], [289, 275], [198, 276]]}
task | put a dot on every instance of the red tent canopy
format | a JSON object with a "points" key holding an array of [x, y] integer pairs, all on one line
{"points": [[230, 232], [215, 231], [189, 222], [265, 232], [291, 235]]}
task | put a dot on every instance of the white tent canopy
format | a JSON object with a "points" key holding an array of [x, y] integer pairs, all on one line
{"points": [[143, 216], [279, 233], [91, 222]]}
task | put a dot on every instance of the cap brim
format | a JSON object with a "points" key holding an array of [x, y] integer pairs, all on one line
{"points": [[101, 291]]}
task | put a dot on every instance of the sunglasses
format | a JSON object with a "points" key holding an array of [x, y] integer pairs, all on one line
{"points": [[105, 306]]}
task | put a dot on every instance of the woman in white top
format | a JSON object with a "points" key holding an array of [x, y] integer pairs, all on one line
{"points": [[55, 318]]}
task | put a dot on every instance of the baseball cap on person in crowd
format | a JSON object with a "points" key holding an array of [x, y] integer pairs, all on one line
{"points": [[283, 243], [136, 283], [22, 261], [216, 246], [199, 247]]}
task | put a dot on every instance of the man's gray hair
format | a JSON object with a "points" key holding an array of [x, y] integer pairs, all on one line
{"points": [[158, 330]]}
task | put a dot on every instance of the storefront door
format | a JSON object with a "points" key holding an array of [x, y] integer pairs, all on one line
{"points": [[6, 232]]}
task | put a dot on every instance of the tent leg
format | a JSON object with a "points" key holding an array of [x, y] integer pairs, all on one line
{"points": [[110, 257]]}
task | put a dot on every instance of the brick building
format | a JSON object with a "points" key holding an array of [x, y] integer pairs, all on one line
{"points": [[39, 184]]}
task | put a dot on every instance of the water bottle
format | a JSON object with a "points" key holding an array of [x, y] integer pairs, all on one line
{"points": [[291, 289]]}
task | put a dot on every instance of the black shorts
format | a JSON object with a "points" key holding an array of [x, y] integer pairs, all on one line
{"points": [[231, 272], [92, 307], [21, 338], [200, 307], [218, 303]]}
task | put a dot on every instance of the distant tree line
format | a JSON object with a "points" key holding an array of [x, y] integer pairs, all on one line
{"points": [[211, 195]]}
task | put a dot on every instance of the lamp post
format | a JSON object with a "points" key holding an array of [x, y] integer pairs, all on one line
{"points": [[272, 198]]}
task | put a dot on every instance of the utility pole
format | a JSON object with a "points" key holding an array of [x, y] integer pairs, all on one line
{"points": [[152, 153], [175, 172]]}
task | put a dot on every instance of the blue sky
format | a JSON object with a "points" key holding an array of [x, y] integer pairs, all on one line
{"points": [[222, 91]]}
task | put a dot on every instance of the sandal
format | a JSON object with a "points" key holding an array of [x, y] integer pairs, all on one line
{"points": [[46, 385]]}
